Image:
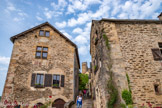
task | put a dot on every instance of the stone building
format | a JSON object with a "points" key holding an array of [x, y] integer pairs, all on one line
{"points": [[44, 67], [85, 69], [135, 49]]}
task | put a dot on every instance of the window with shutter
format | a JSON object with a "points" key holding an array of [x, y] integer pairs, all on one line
{"points": [[160, 47], [39, 80], [48, 80], [33, 80], [62, 80], [157, 54], [56, 81]]}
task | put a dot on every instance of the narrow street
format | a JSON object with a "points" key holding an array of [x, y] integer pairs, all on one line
{"points": [[87, 103]]}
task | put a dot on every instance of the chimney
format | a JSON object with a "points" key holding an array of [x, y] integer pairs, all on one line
{"points": [[84, 67], [160, 16]]}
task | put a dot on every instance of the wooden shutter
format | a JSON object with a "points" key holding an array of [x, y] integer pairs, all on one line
{"points": [[62, 80], [33, 80], [157, 54], [48, 80]]}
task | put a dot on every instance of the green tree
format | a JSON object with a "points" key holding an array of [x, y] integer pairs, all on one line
{"points": [[83, 80], [0, 98]]}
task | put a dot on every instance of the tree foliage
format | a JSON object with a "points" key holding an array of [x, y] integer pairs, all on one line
{"points": [[83, 80]]}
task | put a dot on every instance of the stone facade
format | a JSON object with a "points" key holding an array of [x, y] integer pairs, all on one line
{"points": [[62, 59], [131, 43], [85, 69]]}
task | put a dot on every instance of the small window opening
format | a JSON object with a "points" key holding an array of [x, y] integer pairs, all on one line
{"points": [[156, 88]]}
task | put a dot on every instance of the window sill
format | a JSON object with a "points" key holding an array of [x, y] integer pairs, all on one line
{"points": [[56, 87], [44, 36], [39, 86], [41, 58]]}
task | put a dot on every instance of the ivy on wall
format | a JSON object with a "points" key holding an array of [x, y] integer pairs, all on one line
{"points": [[111, 88], [127, 94]]}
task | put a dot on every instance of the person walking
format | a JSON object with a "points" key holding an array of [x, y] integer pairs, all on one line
{"points": [[79, 101]]}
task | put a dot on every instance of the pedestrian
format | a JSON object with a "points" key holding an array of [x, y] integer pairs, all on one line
{"points": [[84, 92], [79, 101]]}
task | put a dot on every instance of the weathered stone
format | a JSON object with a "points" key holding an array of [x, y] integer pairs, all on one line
{"points": [[131, 42], [62, 60]]}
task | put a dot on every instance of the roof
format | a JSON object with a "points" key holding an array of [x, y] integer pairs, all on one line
{"points": [[39, 26], [132, 20], [160, 14]]}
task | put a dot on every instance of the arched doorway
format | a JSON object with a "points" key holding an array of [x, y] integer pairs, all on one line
{"points": [[58, 103], [38, 105]]}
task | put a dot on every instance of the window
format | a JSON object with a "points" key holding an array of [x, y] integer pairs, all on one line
{"points": [[156, 88], [160, 46], [41, 52], [44, 33], [56, 80], [39, 80], [47, 33], [41, 33]]}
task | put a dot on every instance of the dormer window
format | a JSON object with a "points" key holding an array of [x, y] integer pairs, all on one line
{"points": [[41, 52], [44, 33]]}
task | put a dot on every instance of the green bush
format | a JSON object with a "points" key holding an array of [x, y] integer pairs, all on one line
{"points": [[126, 95], [83, 80], [123, 106]]}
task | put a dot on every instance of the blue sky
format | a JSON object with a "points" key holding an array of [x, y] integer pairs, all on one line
{"points": [[71, 17]]}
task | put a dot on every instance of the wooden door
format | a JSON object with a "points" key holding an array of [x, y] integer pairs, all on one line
{"points": [[59, 103]]}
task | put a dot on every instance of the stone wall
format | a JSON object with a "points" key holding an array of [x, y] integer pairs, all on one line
{"points": [[23, 63], [136, 41], [84, 67], [131, 43], [100, 75]]}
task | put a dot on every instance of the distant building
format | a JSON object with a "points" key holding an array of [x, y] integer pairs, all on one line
{"points": [[136, 50], [44, 67], [85, 69]]}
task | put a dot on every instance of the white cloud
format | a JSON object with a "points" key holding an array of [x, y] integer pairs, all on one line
{"points": [[81, 5], [16, 19], [60, 6], [39, 18], [77, 30], [61, 25], [48, 13], [83, 50], [80, 40], [4, 60], [137, 9], [10, 7], [22, 14], [82, 18], [84, 36], [66, 34]]}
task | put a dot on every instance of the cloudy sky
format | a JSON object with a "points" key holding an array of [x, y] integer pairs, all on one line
{"points": [[72, 17]]}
